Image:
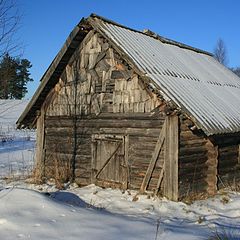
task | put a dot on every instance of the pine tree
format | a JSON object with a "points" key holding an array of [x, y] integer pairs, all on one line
{"points": [[14, 76]]}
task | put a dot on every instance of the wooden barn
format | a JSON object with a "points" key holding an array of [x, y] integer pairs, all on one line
{"points": [[133, 110]]}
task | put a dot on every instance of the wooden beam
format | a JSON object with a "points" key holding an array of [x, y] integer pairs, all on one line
{"points": [[154, 158], [212, 164], [39, 161], [126, 161], [239, 154], [171, 158], [160, 178]]}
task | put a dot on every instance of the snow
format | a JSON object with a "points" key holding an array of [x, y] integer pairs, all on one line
{"points": [[28, 214], [43, 212], [17, 147], [29, 211]]}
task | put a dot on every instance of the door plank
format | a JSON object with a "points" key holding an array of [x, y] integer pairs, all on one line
{"points": [[107, 161]]}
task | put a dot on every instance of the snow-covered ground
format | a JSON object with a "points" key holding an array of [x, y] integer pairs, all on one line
{"points": [[16, 147], [43, 212], [39, 212]]}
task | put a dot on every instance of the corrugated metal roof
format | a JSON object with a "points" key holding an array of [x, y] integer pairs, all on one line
{"points": [[195, 81]]}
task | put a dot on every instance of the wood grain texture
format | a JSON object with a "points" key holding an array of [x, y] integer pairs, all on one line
{"points": [[154, 158], [171, 158]]}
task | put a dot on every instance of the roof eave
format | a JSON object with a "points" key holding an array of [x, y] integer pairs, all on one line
{"points": [[54, 70]]}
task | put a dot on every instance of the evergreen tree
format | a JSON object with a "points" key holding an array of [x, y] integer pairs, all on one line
{"points": [[14, 76]]}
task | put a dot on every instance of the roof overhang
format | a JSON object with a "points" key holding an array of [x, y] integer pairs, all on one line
{"points": [[51, 76]]}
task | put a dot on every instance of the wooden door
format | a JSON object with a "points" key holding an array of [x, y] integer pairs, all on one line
{"points": [[109, 162]]}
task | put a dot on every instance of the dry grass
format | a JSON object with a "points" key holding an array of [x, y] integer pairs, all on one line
{"points": [[63, 172]]}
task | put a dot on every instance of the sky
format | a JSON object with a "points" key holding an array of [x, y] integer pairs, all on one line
{"points": [[46, 24]]}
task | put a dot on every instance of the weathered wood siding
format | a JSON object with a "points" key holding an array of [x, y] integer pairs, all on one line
{"points": [[193, 157], [96, 80], [143, 133], [228, 162], [98, 93]]}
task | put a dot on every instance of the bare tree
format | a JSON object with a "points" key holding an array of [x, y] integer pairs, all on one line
{"points": [[236, 71], [9, 23], [220, 52]]}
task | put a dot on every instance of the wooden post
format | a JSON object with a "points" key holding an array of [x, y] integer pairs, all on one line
{"points": [[40, 145], [126, 148], [171, 158], [239, 154], [212, 164]]}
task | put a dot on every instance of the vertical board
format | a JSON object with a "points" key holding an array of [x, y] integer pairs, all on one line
{"points": [[212, 164], [239, 154], [40, 145], [126, 162], [171, 158]]}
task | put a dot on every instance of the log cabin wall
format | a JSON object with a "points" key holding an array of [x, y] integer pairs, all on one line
{"points": [[228, 161], [99, 94], [193, 157], [206, 164]]}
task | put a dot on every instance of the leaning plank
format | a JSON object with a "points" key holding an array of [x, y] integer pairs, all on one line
{"points": [[153, 160], [160, 179]]}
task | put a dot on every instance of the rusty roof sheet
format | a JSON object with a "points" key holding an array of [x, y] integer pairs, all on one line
{"points": [[194, 80]]}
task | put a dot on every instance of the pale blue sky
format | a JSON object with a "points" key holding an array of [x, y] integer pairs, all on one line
{"points": [[47, 23]]}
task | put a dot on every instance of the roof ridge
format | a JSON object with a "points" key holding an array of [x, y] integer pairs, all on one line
{"points": [[153, 35]]}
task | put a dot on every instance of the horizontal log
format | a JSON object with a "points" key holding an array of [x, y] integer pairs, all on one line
{"points": [[69, 132], [65, 156], [186, 183], [154, 132], [139, 160], [194, 158], [192, 151], [192, 143], [105, 123], [228, 141], [129, 115], [193, 170], [228, 171], [188, 135], [143, 154], [68, 149], [137, 116], [84, 166], [228, 151], [82, 174], [227, 162], [149, 139], [193, 176], [193, 165]]}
